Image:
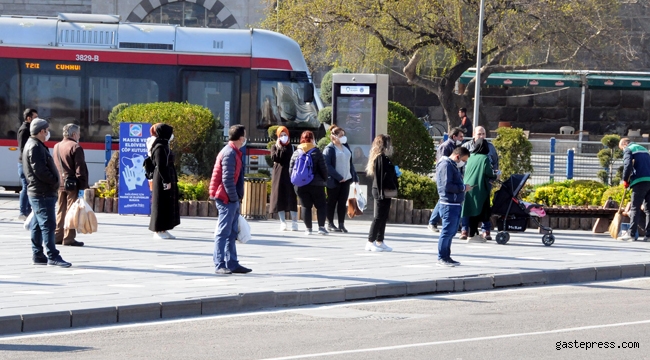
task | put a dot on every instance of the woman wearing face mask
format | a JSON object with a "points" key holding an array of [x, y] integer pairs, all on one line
{"points": [[384, 187], [478, 173], [283, 197], [340, 175], [165, 213], [313, 193]]}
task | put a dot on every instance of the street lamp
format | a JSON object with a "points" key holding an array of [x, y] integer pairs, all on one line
{"points": [[479, 51]]}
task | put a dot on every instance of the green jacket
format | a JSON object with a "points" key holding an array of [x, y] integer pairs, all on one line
{"points": [[478, 172]]}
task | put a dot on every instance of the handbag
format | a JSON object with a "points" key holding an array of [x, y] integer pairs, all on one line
{"points": [[390, 193], [70, 182]]}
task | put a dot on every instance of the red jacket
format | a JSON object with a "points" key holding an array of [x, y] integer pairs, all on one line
{"points": [[227, 182]]}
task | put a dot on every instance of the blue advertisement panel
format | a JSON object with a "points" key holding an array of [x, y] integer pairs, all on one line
{"points": [[134, 192]]}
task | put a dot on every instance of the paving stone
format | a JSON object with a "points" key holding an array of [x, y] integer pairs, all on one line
{"points": [[358, 292], [291, 298], [632, 271], [391, 289], [94, 317], [504, 280], [559, 276], [327, 296], [257, 300], [11, 324], [138, 313], [421, 287], [478, 283], [444, 285], [220, 305], [46, 321], [459, 285], [181, 308], [582, 275], [608, 273], [533, 278]]}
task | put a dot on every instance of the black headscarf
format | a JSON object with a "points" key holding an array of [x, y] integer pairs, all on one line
{"points": [[481, 147]]}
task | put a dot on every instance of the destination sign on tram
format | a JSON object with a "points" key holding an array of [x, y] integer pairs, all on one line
{"points": [[50, 65]]}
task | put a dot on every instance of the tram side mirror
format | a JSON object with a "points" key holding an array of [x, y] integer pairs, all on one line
{"points": [[308, 95]]}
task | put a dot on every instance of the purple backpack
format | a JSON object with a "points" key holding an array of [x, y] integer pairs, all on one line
{"points": [[303, 169]]}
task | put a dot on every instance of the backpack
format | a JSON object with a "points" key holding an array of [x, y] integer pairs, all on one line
{"points": [[303, 169]]}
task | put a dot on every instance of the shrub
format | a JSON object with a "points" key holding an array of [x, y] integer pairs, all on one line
{"points": [[196, 139], [326, 83], [414, 148], [514, 151], [419, 188], [112, 117], [105, 191], [271, 131], [608, 157], [616, 193], [193, 188], [325, 115], [569, 192]]}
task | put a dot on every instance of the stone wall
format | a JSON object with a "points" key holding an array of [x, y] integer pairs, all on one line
{"points": [[44, 7]]}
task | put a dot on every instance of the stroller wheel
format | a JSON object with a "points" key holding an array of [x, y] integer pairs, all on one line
{"points": [[548, 239], [502, 237]]}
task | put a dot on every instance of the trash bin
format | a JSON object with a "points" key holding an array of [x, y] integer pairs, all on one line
{"points": [[254, 201]]}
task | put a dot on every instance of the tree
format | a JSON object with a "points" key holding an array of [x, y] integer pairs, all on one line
{"points": [[607, 157], [414, 149], [368, 35], [515, 151]]}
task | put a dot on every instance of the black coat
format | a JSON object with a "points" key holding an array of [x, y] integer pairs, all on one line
{"points": [[165, 214], [283, 197], [385, 177], [40, 171]]}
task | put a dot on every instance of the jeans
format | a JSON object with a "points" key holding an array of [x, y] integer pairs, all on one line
{"points": [[337, 201], [640, 193], [225, 250], [450, 217], [44, 225], [312, 195], [464, 224], [378, 226], [25, 207], [435, 215]]}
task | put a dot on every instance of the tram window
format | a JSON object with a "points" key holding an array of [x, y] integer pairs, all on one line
{"points": [[10, 114], [214, 91], [105, 93], [57, 99], [280, 103]]}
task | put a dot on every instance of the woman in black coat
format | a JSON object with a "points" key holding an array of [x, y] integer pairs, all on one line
{"points": [[283, 197], [164, 195]]}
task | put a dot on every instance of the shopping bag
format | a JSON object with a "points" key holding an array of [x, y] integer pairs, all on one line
{"points": [[353, 208], [86, 220], [72, 216], [244, 233], [361, 199], [28, 222]]}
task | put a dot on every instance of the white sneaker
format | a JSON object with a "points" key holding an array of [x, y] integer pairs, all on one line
{"points": [[169, 236], [160, 235], [294, 226], [625, 236], [370, 246], [307, 231], [433, 228], [22, 217], [283, 226], [383, 246], [476, 239]]}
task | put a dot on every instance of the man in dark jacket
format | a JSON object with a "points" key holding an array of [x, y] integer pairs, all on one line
{"points": [[636, 175], [455, 140], [227, 189], [451, 191], [43, 185], [71, 163], [23, 135]]}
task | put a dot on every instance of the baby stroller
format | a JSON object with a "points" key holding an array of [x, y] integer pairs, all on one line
{"points": [[514, 213]]}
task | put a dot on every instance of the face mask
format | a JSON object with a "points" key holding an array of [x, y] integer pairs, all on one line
{"points": [[343, 139], [284, 139], [47, 137], [171, 138], [460, 164], [459, 142], [244, 143]]}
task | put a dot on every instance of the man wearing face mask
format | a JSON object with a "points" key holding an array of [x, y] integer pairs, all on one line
{"points": [[71, 164], [445, 149], [451, 190], [42, 190]]}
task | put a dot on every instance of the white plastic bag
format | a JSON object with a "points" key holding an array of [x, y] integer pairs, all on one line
{"points": [[244, 231], [28, 222], [361, 199], [72, 216], [80, 216]]}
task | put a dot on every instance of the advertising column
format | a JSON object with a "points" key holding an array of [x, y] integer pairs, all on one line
{"points": [[134, 192]]}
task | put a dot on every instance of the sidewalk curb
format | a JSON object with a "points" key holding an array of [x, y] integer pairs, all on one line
{"points": [[61, 320]]}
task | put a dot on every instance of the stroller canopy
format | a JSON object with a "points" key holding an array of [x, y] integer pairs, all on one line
{"points": [[503, 197]]}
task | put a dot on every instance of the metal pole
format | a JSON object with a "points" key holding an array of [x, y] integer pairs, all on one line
{"points": [[582, 114], [108, 141], [569, 164], [479, 51], [551, 169]]}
